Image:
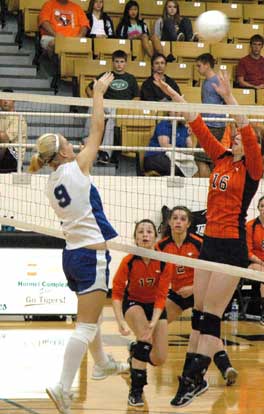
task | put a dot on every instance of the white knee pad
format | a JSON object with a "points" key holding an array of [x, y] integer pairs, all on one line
{"points": [[85, 332]]}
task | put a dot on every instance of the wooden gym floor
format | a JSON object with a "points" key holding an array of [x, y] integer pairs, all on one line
{"points": [[31, 355]]}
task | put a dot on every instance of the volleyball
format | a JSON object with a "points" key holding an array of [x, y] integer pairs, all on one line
{"points": [[212, 26]]}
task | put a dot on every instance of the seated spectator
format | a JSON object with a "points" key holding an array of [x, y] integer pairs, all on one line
{"points": [[100, 23], [250, 70], [9, 132], [123, 87], [161, 161], [205, 65], [149, 91], [132, 27], [172, 26], [61, 17]]}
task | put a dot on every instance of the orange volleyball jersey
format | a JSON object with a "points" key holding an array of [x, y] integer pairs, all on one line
{"points": [[232, 184], [146, 283], [181, 275], [255, 238]]}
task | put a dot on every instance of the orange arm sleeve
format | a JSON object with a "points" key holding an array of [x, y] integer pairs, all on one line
{"points": [[208, 142], [164, 283], [120, 280], [252, 153], [250, 239]]}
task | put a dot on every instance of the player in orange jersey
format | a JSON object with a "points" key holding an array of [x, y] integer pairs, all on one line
{"points": [[140, 288], [178, 240], [255, 242], [181, 242], [232, 185]]}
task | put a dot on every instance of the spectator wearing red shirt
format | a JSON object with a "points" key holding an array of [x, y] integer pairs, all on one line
{"points": [[61, 17], [250, 70]]}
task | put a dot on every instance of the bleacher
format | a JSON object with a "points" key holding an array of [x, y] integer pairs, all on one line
{"points": [[79, 58]]}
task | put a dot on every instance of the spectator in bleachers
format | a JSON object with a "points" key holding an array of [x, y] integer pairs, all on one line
{"points": [[250, 70], [205, 65], [61, 17], [132, 27], [172, 26], [149, 91], [100, 23], [161, 161], [123, 87], [9, 132]]}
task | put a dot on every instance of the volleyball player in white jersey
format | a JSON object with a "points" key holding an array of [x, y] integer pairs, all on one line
{"points": [[77, 204]]}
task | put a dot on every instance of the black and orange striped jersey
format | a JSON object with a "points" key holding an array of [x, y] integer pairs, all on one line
{"points": [[232, 184], [146, 283], [191, 246], [255, 238]]}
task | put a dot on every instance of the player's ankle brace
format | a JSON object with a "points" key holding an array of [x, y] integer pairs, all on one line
{"points": [[142, 351], [198, 367], [222, 361], [187, 363], [138, 378], [196, 319], [211, 325]]}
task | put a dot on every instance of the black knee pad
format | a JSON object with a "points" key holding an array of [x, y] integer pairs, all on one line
{"points": [[142, 351], [196, 319], [211, 325]]}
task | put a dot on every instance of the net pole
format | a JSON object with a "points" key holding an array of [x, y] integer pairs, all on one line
{"points": [[173, 143], [19, 153]]}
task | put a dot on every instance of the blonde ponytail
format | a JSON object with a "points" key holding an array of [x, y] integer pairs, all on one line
{"points": [[36, 163], [48, 146]]}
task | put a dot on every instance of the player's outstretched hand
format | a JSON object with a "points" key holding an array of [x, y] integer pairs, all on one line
{"points": [[223, 88], [102, 84], [167, 89]]}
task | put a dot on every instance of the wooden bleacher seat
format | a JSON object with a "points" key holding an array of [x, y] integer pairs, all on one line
{"points": [[151, 9], [181, 72], [71, 49], [242, 32], [27, 20], [192, 94], [135, 132], [87, 70], [138, 52], [104, 48], [115, 7], [253, 13], [191, 9], [188, 51], [233, 11], [260, 96], [229, 67], [244, 96], [140, 69], [229, 53], [82, 3]]}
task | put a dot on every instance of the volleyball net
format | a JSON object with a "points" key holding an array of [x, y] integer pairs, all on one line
{"points": [[129, 193]]}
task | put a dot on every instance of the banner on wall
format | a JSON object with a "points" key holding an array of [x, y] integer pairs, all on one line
{"points": [[32, 282]]}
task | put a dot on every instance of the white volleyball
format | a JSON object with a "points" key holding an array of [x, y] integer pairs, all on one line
{"points": [[211, 26]]}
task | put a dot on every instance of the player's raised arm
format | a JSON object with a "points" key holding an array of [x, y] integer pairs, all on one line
{"points": [[86, 157]]}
